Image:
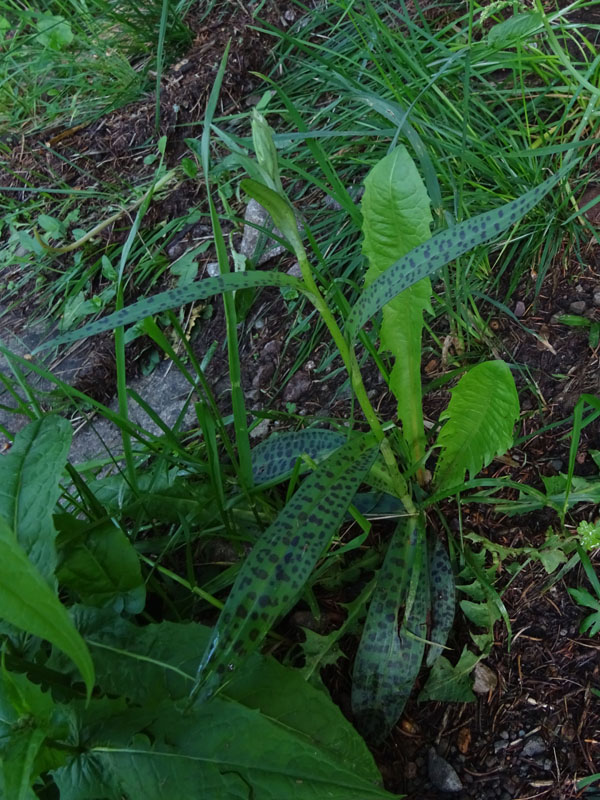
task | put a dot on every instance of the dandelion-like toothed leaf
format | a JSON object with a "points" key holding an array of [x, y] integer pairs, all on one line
{"points": [[174, 298], [427, 258], [441, 582], [396, 218], [275, 458], [388, 662], [280, 563], [480, 418]]}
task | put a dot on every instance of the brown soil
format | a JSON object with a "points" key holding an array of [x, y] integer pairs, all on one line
{"points": [[544, 680]]}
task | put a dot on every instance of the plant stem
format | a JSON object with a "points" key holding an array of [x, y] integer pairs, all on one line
{"points": [[349, 358]]}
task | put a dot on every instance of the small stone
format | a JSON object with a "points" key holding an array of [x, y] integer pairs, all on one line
{"points": [[272, 349], [261, 430], [298, 386], [485, 679], [175, 251], [519, 308], [504, 735], [597, 298], [263, 376], [534, 747], [295, 270], [556, 464], [331, 203], [212, 268], [442, 774], [578, 307]]}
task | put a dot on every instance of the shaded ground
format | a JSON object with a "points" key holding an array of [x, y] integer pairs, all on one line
{"points": [[538, 729]]}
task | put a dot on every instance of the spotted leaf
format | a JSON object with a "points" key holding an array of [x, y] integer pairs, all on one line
{"points": [[441, 582], [388, 660], [275, 458], [280, 563], [174, 298], [442, 248]]}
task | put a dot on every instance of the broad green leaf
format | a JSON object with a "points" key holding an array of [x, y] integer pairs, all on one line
{"points": [[54, 32], [29, 477], [278, 207], [441, 582], [220, 750], [388, 662], [280, 563], [480, 418], [285, 728], [396, 218], [17, 758], [100, 564], [175, 298], [442, 248], [28, 603], [275, 458], [27, 716], [519, 26], [451, 684]]}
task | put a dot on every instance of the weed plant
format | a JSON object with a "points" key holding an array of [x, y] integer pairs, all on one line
{"points": [[112, 683]]}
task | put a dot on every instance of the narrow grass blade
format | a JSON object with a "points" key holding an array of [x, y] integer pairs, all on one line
{"points": [[281, 562], [443, 599], [427, 258], [388, 662], [174, 298]]}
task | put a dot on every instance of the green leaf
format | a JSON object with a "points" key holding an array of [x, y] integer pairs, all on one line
{"points": [[517, 27], [100, 564], [18, 754], [221, 750], [320, 650], [28, 603], [287, 733], [278, 207], [480, 418], [29, 478], [442, 248], [175, 298], [276, 457], [396, 218], [387, 662], [54, 32], [441, 581], [266, 154], [27, 716], [451, 684], [282, 560]]}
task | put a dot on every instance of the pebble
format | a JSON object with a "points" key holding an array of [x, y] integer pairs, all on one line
{"points": [[295, 270], [578, 307], [519, 308], [533, 747], [212, 268], [597, 298], [485, 679], [442, 774]]}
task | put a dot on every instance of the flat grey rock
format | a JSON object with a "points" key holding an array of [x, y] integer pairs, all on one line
{"points": [[442, 774]]}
